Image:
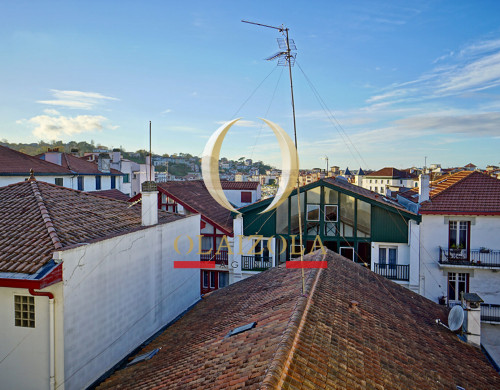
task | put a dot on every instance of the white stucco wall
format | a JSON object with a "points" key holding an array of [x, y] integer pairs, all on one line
{"points": [[24, 352], [120, 291], [434, 233], [234, 196], [68, 181]]}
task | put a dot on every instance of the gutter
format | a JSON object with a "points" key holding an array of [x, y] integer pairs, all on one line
{"points": [[51, 278], [52, 338]]}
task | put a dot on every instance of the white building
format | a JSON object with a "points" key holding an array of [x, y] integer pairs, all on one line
{"points": [[84, 281], [459, 249], [385, 178], [241, 193]]}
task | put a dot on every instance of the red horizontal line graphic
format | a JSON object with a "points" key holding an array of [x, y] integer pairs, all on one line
{"points": [[194, 264], [307, 264]]}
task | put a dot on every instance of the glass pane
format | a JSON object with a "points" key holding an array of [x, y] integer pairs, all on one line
{"points": [[294, 215], [331, 196], [282, 218], [364, 219], [346, 215], [314, 195], [381, 255], [331, 213], [313, 212], [330, 229], [223, 279]]}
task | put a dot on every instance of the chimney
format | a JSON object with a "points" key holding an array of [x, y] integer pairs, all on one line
{"points": [[423, 188], [149, 203], [117, 156], [103, 163], [54, 156], [471, 302]]}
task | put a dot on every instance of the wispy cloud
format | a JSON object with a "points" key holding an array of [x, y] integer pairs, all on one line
{"points": [[55, 127], [475, 68], [167, 111], [51, 111], [485, 124], [76, 99]]}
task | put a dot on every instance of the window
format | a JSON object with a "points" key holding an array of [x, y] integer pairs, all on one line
{"points": [[223, 279], [364, 218], [375, 181], [59, 181], [205, 278], [126, 178], [24, 311], [80, 183], [312, 212], [370, 181], [347, 252], [113, 182], [262, 246], [98, 182], [458, 234], [401, 182], [457, 283], [246, 197], [212, 279], [388, 256]]}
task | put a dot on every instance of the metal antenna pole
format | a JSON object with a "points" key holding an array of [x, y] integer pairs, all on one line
{"points": [[289, 58], [150, 155]]}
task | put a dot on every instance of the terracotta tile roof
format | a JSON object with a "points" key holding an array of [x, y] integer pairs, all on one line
{"points": [[466, 192], [81, 166], [388, 341], [437, 186], [239, 185], [393, 173], [37, 218], [16, 163], [195, 195], [113, 194]]}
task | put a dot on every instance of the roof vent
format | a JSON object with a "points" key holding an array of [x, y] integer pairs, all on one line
{"points": [[241, 329], [144, 356]]}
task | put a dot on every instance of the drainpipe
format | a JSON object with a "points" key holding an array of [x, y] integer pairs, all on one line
{"points": [[52, 339]]}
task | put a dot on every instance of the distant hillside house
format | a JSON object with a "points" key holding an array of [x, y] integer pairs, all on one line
{"points": [[388, 178]]}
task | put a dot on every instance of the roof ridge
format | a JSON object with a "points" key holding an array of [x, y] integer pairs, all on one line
{"points": [[45, 215], [67, 162], [280, 363]]}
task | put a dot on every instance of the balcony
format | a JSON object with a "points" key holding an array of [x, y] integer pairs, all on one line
{"points": [[220, 257], [475, 258], [255, 263], [490, 313], [393, 271]]}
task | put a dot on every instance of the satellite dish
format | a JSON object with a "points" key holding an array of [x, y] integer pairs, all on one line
{"points": [[456, 318]]}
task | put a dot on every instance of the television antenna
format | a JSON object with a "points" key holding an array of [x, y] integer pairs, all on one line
{"points": [[326, 159], [287, 58]]}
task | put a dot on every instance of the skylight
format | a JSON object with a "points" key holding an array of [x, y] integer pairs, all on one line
{"points": [[241, 329], [144, 356]]}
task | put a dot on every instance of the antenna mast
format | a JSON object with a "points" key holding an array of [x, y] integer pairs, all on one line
{"points": [[150, 155], [287, 58]]}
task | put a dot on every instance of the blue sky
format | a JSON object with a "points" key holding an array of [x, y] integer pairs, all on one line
{"points": [[401, 79]]}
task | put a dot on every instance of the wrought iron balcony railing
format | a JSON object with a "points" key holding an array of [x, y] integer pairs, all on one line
{"points": [[256, 263], [474, 257], [393, 271]]}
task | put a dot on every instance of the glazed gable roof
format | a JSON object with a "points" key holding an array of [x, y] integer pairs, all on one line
{"points": [[391, 173], [342, 184], [390, 340], [82, 166], [196, 197], [466, 192], [38, 218], [14, 163]]}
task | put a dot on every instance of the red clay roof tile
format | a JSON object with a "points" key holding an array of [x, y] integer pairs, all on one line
{"points": [[37, 218], [14, 162], [389, 340]]}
